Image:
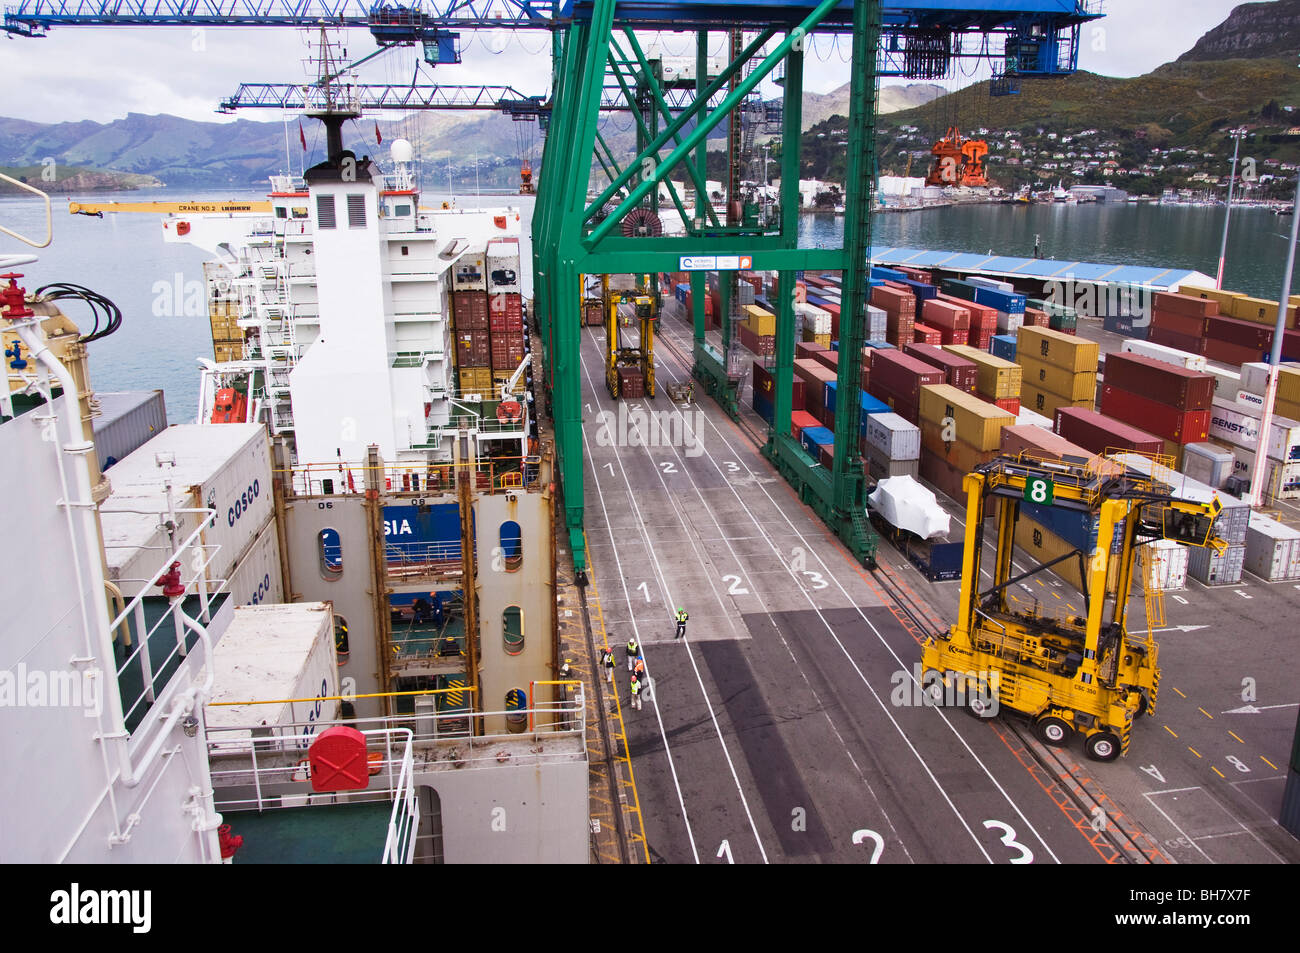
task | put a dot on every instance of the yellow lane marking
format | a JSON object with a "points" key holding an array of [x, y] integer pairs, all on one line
{"points": [[1180, 694], [1070, 606], [1218, 772], [1171, 731], [1234, 734], [1206, 713], [1194, 751], [1054, 594], [1267, 762]]}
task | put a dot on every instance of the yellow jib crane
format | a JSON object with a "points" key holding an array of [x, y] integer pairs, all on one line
{"points": [[617, 355], [1078, 673], [229, 206]]}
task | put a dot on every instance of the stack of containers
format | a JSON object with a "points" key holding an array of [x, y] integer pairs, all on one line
{"points": [[471, 323], [1036, 317], [801, 420], [877, 324], [764, 397], [758, 329], [505, 311], [1098, 434], [1178, 321], [1236, 425], [892, 446], [1254, 380], [1059, 317], [815, 376], [898, 379], [951, 319], [1231, 525], [820, 444], [1058, 370], [957, 371], [900, 313], [958, 433], [816, 323], [1010, 305], [1272, 549], [996, 381], [1169, 401], [924, 334], [983, 317]]}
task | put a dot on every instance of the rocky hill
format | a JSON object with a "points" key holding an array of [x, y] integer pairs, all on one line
{"points": [[1252, 31]]}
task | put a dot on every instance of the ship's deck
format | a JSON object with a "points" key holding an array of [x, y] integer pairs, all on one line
{"points": [[319, 834]]}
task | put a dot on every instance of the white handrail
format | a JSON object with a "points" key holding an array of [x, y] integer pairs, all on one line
{"points": [[49, 219]]}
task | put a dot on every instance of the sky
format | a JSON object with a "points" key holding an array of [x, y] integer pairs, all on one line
{"points": [[102, 74]]}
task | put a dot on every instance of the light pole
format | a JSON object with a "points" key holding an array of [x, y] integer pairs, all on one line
{"points": [[1237, 135], [1275, 357]]}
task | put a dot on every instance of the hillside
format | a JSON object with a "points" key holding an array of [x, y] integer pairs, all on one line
{"points": [[1252, 31]]}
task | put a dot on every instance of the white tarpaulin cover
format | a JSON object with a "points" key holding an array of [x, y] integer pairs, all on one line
{"points": [[908, 505]]}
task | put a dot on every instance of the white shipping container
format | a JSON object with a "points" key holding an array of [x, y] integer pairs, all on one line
{"points": [[503, 270], [812, 318], [880, 468], [1226, 383], [1249, 399], [1281, 482], [991, 283], [470, 272], [1238, 424], [1165, 565], [1170, 355], [256, 580], [1207, 462], [1254, 377], [1008, 323], [1272, 549], [894, 436], [1030, 418], [225, 467], [272, 652], [1215, 569]]}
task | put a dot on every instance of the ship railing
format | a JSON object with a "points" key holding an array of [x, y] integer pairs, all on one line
{"points": [[194, 558], [423, 558], [253, 775], [498, 475]]}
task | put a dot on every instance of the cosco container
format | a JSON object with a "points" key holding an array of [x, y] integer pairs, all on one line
{"points": [[126, 422], [256, 579], [1254, 378], [225, 467], [284, 651], [1272, 549]]}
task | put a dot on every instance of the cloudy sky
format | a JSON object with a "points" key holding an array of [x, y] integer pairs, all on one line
{"points": [[78, 73]]}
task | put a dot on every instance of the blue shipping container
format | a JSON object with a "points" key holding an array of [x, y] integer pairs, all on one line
{"points": [[924, 292], [680, 292], [1010, 302], [764, 407], [1003, 346], [881, 273], [814, 437], [881, 345], [1077, 528]]}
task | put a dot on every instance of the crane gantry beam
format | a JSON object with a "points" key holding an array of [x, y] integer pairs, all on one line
{"points": [[365, 96]]}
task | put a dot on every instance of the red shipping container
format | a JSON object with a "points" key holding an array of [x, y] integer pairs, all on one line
{"points": [[761, 344], [924, 334], [893, 301], [829, 359], [958, 371], [799, 421], [508, 304], [903, 375], [507, 352], [1236, 331], [1097, 433], [1182, 342], [1171, 423], [1036, 318], [917, 275], [981, 315], [1160, 381], [980, 338], [807, 350], [827, 456], [1187, 305], [470, 310], [630, 382], [1010, 404], [473, 349], [945, 315], [1188, 325], [1225, 353]]}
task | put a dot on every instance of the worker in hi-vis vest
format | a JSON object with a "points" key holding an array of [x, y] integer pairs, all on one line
{"points": [[636, 693], [607, 660], [681, 622], [633, 650]]}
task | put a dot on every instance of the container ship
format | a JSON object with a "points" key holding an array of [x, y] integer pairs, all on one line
{"points": [[319, 623]]}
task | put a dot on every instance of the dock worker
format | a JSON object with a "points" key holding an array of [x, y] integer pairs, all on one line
{"points": [[682, 616], [607, 660], [636, 693], [638, 672], [633, 650], [566, 671]]}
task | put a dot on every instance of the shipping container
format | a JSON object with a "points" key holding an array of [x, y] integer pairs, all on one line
{"points": [[473, 349], [1224, 352], [1207, 462], [269, 652], [1039, 443], [1163, 563], [1238, 424], [1254, 378], [507, 350], [894, 437], [1003, 346], [976, 422], [1122, 324], [956, 453], [126, 422], [1186, 304], [1187, 359], [1160, 381], [814, 438], [1099, 433], [1272, 549], [470, 311], [1236, 331], [801, 420], [475, 380], [1007, 302], [1057, 349], [503, 270], [960, 372], [1216, 569], [901, 375], [994, 377], [1071, 385], [1169, 423], [1281, 480], [882, 468], [631, 384], [256, 579], [470, 272], [1010, 323], [943, 314], [1186, 325], [226, 468], [1046, 403]]}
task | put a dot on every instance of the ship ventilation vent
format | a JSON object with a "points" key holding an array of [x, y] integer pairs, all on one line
{"points": [[325, 211], [356, 211]]}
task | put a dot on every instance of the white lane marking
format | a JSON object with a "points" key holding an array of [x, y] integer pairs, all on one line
{"points": [[668, 604], [663, 734], [885, 644]]}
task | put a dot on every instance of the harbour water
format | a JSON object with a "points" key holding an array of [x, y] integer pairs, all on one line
{"points": [[165, 327]]}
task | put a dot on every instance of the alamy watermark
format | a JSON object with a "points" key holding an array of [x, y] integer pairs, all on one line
{"points": [[977, 691], [1088, 299], [22, 687], [632, 426]]}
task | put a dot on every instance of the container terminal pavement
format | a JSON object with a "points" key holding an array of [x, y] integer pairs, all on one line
{"points": [[774, 731]]}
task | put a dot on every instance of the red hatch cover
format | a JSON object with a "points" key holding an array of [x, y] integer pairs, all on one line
{"points": [[338, 760]]}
